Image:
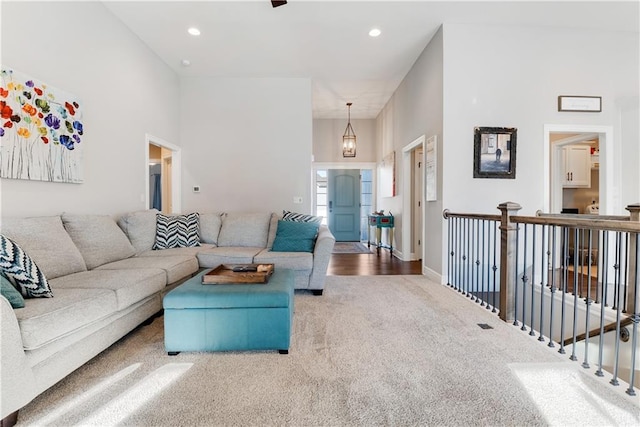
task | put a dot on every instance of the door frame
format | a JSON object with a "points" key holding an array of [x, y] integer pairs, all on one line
{"points": [[551, 165], [176, 171], [407, 179], [315, 166]]}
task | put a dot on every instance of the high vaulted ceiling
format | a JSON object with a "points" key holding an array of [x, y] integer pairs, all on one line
{"points": [[328, 42]]}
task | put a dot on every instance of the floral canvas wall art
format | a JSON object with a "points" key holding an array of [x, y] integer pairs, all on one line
{"points": [[41, 130]]}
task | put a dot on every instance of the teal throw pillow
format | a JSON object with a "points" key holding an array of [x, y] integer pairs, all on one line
{"points": [[294, 236], [10, 293]]}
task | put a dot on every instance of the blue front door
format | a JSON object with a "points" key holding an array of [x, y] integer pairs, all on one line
{"points": [[343, 195]]}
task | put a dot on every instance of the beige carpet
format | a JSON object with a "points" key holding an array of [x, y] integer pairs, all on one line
{"points": [[373, 351]]}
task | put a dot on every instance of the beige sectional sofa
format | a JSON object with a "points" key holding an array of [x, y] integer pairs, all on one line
{"points": [[106, 279]]}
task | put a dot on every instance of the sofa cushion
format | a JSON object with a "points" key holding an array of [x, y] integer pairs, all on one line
{"points": [[292, 236], [298, 217], [273, 227], [177, 231], [47, 243], [175, 267], [10, 292], [98, 238], [140, 228], [210, 223], [245, 229], [130, 285], [214, 257], [291, 260], [22, 271], [193, 251], [44, 320]]}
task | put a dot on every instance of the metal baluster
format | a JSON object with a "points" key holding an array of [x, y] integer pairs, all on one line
{"points": [[618, 280], [467, 281], [533, 279], [543, 268], [636, 319], [515, 290], [576, 245], [484, 263], [524, 281], [624, 285], [456, 254], [478, 274], [565, 278], [585, 363], [449, 225], [495, 267], [553, 286], [603, 267]]}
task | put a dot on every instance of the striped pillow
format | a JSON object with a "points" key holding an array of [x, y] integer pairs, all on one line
{"points": [[177, 231], [21, 271], [298, 217]]}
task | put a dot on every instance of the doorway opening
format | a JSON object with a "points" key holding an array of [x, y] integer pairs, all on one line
{"points": [[413, 206], [343, 196], [162, 175]]}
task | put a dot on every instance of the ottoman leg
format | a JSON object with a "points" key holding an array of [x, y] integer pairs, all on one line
{"points": [[283, 351], [316, 292], [173, 353]]}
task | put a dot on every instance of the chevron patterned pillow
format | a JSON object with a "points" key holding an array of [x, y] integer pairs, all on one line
{"points": [[177, 231], [21, 271], [298, 217]]}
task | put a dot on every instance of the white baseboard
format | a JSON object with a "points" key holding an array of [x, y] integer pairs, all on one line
{"points": [[431, 274]]}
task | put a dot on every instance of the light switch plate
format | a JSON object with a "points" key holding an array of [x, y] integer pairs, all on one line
{"points": [[297, 200]]}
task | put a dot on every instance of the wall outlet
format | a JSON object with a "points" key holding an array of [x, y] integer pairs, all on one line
{"points": [[196, 188], [297, 200]]}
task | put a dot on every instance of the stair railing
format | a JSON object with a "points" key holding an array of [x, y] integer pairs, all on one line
{"points": [[555, 276]]}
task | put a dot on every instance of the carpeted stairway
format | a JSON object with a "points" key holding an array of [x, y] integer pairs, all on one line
{"points": [[374, 350]]}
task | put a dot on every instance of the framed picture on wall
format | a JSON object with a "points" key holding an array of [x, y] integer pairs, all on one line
{"points": [[494, 152]]}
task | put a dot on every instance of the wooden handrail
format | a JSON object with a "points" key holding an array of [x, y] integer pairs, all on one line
{"points": [[595, 332], [574, 222]]}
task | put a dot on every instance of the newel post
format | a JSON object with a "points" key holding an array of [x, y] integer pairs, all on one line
{"points": [[634, 216], [508, 234]]}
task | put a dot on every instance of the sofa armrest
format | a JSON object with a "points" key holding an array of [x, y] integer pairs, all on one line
{"points": [[17, 383], [321, 256]]}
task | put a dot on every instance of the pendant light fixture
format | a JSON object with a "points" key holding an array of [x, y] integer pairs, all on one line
{"points": [[349, 138]]}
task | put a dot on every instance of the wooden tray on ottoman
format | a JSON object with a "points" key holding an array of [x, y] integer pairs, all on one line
{"points": [[238, 274]]}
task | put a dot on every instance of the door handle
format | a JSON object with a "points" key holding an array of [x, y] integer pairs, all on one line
{"points": [[330, 205]]}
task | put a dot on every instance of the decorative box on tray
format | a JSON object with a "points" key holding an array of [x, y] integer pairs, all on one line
{"points": [[240, 274]]}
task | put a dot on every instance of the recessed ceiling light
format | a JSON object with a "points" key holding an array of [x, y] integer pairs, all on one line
{"points": [[375, 32], [194, 31], [185, 62]]}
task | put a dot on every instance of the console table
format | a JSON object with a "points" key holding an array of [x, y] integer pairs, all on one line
{"points": [[380, 222]]}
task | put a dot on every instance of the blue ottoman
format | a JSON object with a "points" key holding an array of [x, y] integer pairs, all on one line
{"points": [[236, 317]]}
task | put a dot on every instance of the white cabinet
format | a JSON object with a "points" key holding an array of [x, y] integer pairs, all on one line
{"points": [[577, 166]]}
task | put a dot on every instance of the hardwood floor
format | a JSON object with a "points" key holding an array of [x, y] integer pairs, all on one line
{"points": [[370, 265]]}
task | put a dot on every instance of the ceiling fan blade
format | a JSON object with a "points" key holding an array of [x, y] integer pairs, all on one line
{"points": [[276, 3]]}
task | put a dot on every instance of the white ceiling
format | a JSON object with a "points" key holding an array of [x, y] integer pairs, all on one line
{"points": [[328, 42]]}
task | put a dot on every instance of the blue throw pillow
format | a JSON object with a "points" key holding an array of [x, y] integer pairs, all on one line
{"points": [[292, 236], [22, 271], [10, 293]]}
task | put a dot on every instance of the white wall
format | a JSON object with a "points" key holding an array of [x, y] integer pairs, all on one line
{"points": [[327, 140], [511, 76], [415, 109], [126, 90], [246, 143]]}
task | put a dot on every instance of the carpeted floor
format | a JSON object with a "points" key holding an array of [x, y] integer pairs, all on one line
{"points": [[372, 351], [352, 248]]}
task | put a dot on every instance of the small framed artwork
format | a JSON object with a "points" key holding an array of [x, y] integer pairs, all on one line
{"points": [[494, 152], [585, 104]]}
